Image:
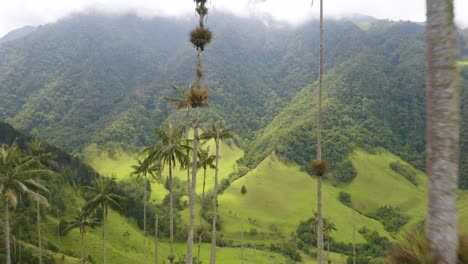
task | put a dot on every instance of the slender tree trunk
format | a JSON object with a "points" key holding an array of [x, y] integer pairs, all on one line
{"points": [[193, 197], [104, 216], [7, 233], [215, 207], [38, 226], [354, 238], [319, 148], [242, 243], [171, 214], [156, 227], [201, 212], [187, 121], [82, 244], [144, 220], [328, 251], [443, 131]]}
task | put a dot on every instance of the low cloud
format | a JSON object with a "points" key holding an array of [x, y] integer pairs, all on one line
{"points": [[18, 13]]}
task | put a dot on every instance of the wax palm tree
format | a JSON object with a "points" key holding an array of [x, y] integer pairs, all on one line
{"points": [[17, 176], [328, 227], [171, 149], [82, 221], [182, 101], [319, 166], [142, 169], [103, 195], [443, 131], [205, 161], [37, 151], [199, 37], [217, 133]]}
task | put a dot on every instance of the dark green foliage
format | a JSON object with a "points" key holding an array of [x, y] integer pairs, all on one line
{"points": [[376, 245], [243, 190], [405, 171], [287, 249], [343, 172], [345, 198], [412, 248], [359, 260], [390, 218]]}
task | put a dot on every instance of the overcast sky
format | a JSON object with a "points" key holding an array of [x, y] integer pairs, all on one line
{"points": [[18, 13]]}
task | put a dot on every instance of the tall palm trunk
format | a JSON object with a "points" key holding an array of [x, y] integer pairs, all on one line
{"points": [[193, 189], [328, 250], [144, 220], [443, 131], [156, 227], [104, 234], [7, 233], [354, 237], [82, 244], [215, 207], [38, 222], [187, 121], [201, 212], [319, 148], [171, 214]]}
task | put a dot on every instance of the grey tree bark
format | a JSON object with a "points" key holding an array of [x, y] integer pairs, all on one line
{"points": [[104, 249], [443, 131], [39, 237], [144, 219], [171, 214], [319, 148], [215, 207]]}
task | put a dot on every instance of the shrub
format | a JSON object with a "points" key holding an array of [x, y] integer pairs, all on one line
{"points": [[243, 190], [345, 198], [405, 171], [413, 248]]}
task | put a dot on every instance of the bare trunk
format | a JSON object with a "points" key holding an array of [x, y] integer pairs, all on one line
{"points": [[242, 245], [7, 233], [144, 220], [443, 131], [215, 207], [201, 212], [156, 227], [319, 148], [187, 121], [38, 223], [171, 214], [328, 251], [354, 237], [104, 235], [82, 244], [193, 197]]}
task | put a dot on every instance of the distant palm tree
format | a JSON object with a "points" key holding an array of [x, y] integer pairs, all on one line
{"points": [[103, 196], [443, 131], [328, 227], [82, 220], [172, 148], [17, 176], [217, 133], [205, 161], [182, 101], [37, 151], [142, 169], [321, 164]]}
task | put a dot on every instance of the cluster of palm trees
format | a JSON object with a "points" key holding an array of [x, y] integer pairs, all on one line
{"points": [[173, 150], [19, 177]]}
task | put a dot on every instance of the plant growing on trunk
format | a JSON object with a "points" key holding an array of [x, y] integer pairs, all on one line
{"points": [[199, 37]]}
